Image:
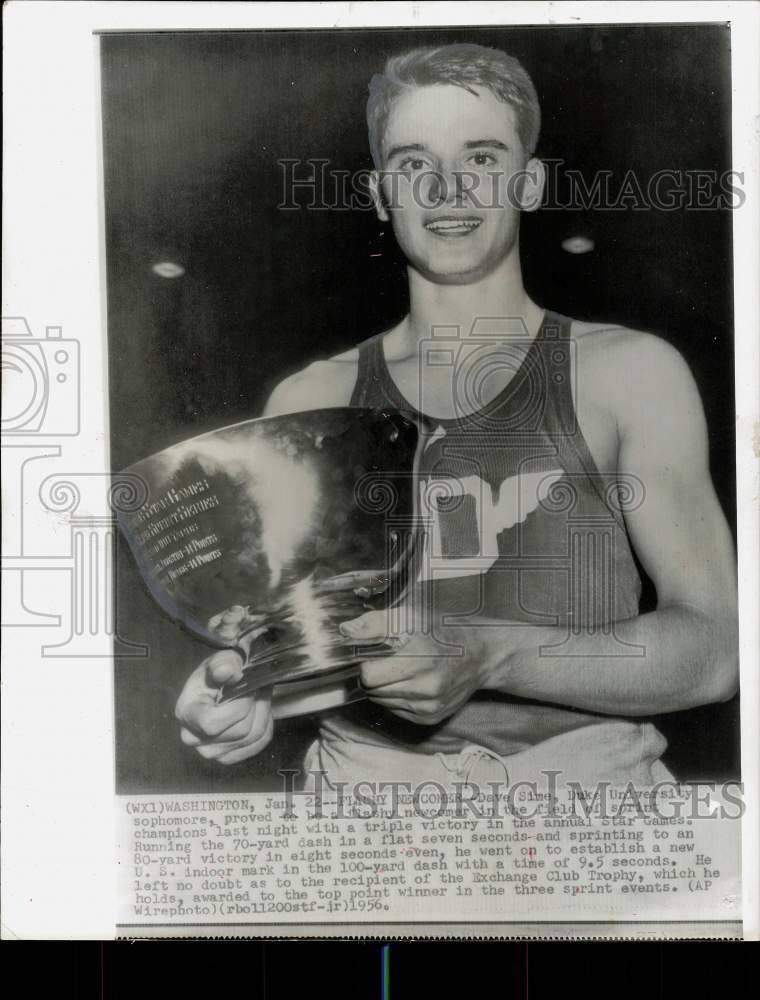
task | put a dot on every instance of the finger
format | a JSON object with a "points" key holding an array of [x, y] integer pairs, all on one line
{"points": [[388, 671], [224, 667], [208, 719], [189, 738], [227, 753], [197, 688], [249, 733], [372, 586], [373, 626], [262, 716], [250, 728], [417, 717], [228, 624], [401, 693], [195, 692], [377, 627], [237, 731], [214, 751], [229, 617], [420, 685], [405, 712], [372, 650], [233, 756], [425, 709], [372, 581], [408, 716]]}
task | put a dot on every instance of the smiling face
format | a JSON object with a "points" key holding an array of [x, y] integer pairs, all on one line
{"points": [[451, 163]]}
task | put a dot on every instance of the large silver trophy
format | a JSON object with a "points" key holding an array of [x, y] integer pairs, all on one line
{"points": [[244, 530]]}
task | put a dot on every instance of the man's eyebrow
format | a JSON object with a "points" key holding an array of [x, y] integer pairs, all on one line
{"points": [[418, 147], [494, 143], [410, 147]]}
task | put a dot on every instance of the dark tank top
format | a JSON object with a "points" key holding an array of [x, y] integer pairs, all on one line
{"points": [[524, 528]]}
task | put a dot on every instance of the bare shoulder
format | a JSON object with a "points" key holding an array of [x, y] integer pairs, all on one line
{"points": [[617, 358], [324, 383], [321, 384], [609, 342], [645, 386]]}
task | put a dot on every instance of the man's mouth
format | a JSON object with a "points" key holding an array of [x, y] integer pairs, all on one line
{"points": [[453, 225]]}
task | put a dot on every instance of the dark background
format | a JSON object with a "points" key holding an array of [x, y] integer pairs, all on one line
{"points": [[193, 127], [276, 970]]}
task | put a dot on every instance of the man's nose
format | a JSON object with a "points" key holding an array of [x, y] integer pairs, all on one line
{"points": [[448, 187]]}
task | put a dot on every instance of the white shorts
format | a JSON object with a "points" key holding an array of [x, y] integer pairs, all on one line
{"points": [[616, 752]]}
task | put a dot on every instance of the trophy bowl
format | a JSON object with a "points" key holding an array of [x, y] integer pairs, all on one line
{"points": [[257, 536]]}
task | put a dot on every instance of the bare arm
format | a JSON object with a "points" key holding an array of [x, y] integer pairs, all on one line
{"points": [[682, 539]]}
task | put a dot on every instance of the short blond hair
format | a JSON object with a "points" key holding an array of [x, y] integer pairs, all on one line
{"points": [[461, 65]]}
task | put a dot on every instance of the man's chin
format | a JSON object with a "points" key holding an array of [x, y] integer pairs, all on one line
{"points": [[452, 275], [458, 268]]}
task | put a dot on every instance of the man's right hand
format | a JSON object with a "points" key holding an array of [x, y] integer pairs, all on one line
{"points": [[228, 732]]}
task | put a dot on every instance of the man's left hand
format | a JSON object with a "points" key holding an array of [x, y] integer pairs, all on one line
{"points": [[423, 681]]}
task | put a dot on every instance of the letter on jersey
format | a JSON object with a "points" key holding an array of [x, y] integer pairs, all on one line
{"points": [[465, 518]]}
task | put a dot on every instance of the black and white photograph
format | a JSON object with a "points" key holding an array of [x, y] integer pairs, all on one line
{"points": [[438, 318], [380, 407]]}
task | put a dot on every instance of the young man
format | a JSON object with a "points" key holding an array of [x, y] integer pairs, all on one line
{"points": [[564, 447]]}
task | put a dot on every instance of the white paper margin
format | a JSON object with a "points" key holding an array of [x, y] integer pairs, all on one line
{"points": [[58, 863]]}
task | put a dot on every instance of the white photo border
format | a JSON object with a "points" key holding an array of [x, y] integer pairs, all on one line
{"points": [[58, 862]]}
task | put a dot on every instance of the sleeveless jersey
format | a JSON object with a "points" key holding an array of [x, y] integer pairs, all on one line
{"points": [[524, 528]]}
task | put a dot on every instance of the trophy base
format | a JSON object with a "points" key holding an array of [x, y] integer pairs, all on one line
{"points": [[309, 697], [300, 687]]}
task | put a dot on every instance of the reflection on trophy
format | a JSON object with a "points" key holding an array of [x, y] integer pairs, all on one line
{"points": [[251, 536]]}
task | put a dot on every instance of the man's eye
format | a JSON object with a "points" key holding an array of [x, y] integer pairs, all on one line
{"points": [[483, 159], [413, 163]]}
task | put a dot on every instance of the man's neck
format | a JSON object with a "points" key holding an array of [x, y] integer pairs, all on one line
{"points": [[494, 305]]}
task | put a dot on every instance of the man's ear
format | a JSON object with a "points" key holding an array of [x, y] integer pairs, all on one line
{"points": [[530, 189], [375, 189]]}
